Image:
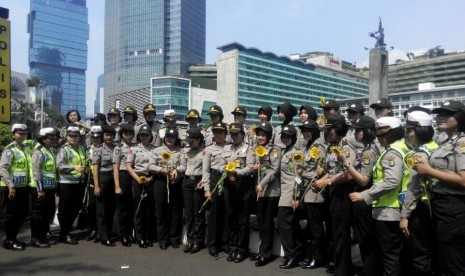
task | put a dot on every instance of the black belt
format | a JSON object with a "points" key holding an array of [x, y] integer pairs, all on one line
{"points": [[192, 177]]}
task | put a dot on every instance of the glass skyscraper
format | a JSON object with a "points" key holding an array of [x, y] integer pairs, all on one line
{"points": [[171, 93], [151, 38], [58, 33]]}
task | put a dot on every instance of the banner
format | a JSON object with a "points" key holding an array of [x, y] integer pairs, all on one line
{"points": [[5, 73]]}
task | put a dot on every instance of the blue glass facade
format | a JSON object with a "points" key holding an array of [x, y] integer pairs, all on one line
{"points": [[58, 33], [171, 93], [151, 38]]}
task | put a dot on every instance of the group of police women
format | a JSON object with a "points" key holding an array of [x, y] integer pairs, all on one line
{"points": [[399, 191]]}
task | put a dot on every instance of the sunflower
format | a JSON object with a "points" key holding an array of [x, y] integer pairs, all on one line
{"points": [[297, 157], [230, 167], [335, 149], [166, 156], [322, 100], [314, 152], [143, 179], [260, 151]]}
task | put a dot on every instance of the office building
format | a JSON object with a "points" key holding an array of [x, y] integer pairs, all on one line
{"points": [[99, 95], [151, 38], [58, 33], [443, 69], [251, 78]]}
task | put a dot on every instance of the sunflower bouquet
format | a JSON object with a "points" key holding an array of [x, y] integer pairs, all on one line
{"points": [[335, 149], [166, 157], [297, 158], [230, 168], [314, 152]]}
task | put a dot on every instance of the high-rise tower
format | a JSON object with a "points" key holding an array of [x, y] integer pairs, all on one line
{"points": [[151, 38], [58, 33]]}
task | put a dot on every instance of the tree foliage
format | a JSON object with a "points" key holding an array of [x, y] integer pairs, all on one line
{"points": [[5, 136]]}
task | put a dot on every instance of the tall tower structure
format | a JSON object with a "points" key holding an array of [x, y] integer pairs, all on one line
{"points": [[58, 33], [151, 38]]}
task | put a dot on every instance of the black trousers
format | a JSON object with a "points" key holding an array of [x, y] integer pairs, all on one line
{"points": [[449, 219], [144, 217], [193, 200], [340, 209], [216, 215], [125, 205], [267, 210], [105, 205], [418, 248], [70, 203], [42, 212], [92, 206], [168, 212], [363, 224], [16, 212], [289, 229], [389, 242], [237, 199], [315, 218]]}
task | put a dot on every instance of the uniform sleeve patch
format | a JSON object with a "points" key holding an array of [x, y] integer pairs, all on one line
{"points": [[462, 147], [391, 160]]}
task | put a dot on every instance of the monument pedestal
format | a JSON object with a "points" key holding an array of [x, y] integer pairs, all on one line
{"points": [[378, 75]]}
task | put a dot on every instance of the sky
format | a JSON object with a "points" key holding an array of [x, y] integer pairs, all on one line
{"points": [[287, 27]]}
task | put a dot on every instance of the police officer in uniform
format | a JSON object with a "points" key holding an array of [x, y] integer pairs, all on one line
{"points": [[150, 112], [216, 116], [314, 154], [339, 186], [287, 220], [264, 115], [15, 174], [383, 107], [142, 188], [114, 119], [390, 178], [71, 166], [447, 170], [43, 187], [213, 166], [191, 168], [130, 115], [240, 115], [286, 113], [104, 185], [96, 137], [167, 190], [238, 194], [306, 113], [171, 123], [123, 185], [415, 214], [268, 191], [361, 172]]}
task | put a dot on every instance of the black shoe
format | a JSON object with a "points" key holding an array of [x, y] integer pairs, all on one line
{"points": [[232, 256], [39, 243], [240, 257], [290, 263], [142, 244], [13, 245], [310, 264], [213, 252], [195, 248], [51, 238], [107, 243], [262, 261], [331, 269], [68, 240], [149, 243], [125, 241], [188, 247], [163, 245], [255, 257], [92, 235], [175, 244]]}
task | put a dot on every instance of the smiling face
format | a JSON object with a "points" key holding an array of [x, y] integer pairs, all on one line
{"points": [[261, 138], [445, 121]]}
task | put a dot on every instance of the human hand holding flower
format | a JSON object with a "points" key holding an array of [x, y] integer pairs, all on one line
{"points": [[355, 197]]}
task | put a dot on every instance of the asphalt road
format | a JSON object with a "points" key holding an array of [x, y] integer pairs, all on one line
{"points": [[90, 258]]}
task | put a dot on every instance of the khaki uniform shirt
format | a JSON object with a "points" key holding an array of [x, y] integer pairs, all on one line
{"points": [[157, 162], [311, 163], [214, 158], [449, 157], [103, 158], [288, 176], [139, 156], [120, 155], [191, 161], [268, 176]]}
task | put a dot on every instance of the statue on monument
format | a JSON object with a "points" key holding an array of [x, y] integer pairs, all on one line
{"points": [[379, 36]]}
